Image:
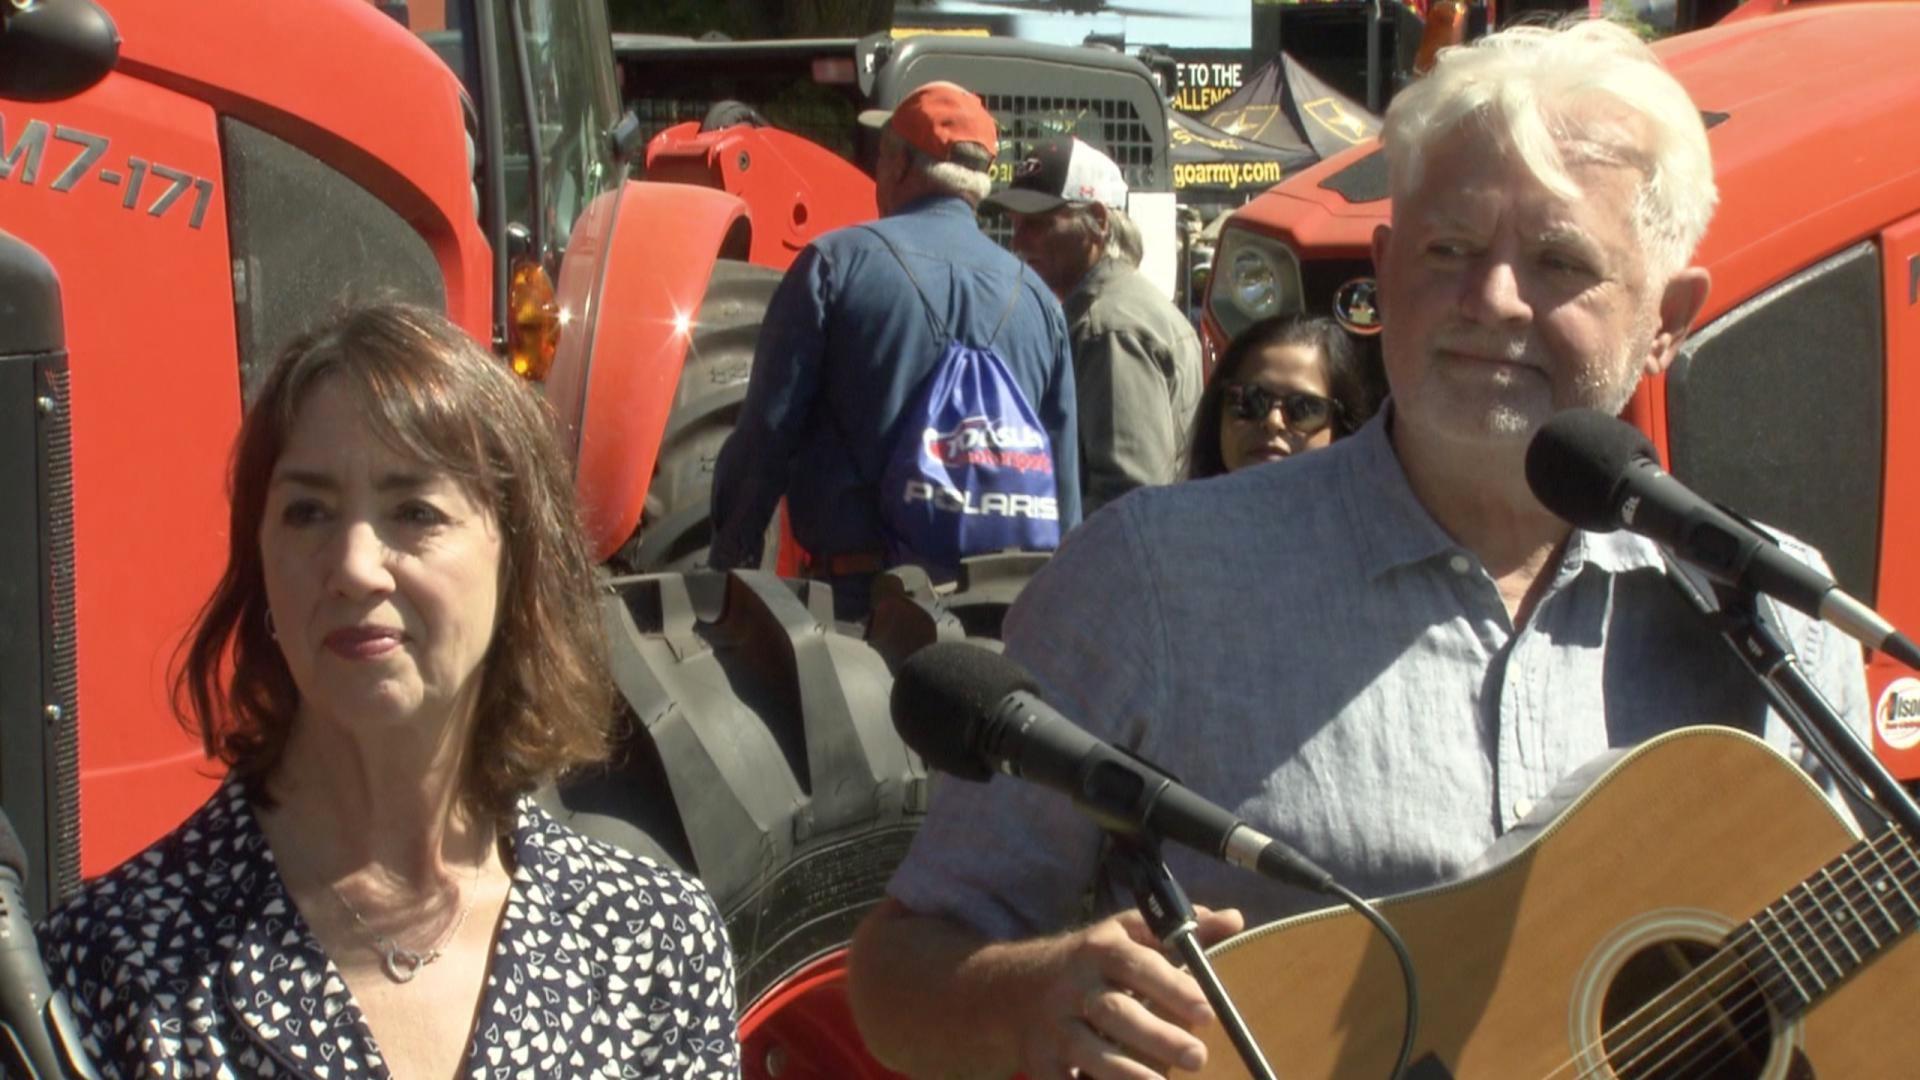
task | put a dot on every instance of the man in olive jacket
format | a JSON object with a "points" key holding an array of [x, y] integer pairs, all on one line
{"points": [[1136, 359]]}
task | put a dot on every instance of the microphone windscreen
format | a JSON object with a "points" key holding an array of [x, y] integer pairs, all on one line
{"points": [[945, 693], [12, 856], [1577, 463]]}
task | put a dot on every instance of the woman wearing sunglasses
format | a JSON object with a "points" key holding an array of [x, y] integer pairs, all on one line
{"points": [[1286, 384]]}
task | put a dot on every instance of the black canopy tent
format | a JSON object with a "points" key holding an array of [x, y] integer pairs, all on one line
{"points": [[1211, 167], [1281, 120], [1285, 105]]}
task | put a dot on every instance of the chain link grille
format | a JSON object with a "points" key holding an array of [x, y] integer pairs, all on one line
{"points": [[62, 677], [1113, 127]]}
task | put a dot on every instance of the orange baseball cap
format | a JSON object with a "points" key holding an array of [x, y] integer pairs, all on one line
{"points": [[937, 117]]}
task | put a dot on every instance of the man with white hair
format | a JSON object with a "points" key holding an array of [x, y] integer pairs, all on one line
{"points": [[855, 328], [1385, 652], [1136, 359]]}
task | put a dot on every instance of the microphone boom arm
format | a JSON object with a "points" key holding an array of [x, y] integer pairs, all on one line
{"points": [[1169, 914], [1758, 642]]}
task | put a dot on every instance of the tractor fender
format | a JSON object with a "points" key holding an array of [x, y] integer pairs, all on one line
{"points": [[612, 387], [796, 189]]}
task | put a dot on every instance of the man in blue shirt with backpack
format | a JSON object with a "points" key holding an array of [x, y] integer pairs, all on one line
{"points": [[912, 391]]}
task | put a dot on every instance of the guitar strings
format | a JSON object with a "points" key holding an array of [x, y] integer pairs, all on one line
{"points": [[1732, 963], [1755, 1003], [1659, 1034], [1724, 963], [1711, 979], [1760, 1015]]}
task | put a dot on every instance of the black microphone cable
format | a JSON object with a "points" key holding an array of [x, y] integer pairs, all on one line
{"points": [[1411, 1024]]}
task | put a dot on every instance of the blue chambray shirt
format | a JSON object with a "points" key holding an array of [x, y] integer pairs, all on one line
{"points": [[845, 344], [1302, 643]]}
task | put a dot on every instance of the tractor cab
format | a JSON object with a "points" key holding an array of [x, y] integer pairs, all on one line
{"points": [[704, 104], [544, 119]]}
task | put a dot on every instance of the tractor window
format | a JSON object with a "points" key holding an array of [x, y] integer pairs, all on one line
{"points": [[665, 87], [569, 70], [306, 239], [1777, 410], [569, 58]]}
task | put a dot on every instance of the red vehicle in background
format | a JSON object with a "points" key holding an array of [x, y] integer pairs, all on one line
{"points": [[195, 207], [184, 187], [1797, 398], [187, 220]]}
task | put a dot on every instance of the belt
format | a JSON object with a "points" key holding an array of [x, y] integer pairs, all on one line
{"points": [[846, 564]]}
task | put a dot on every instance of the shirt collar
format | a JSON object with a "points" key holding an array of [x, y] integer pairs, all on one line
{"points": [[1096, 276], [281, 984], [1391, 524], [276, 979], [938, 204], [550, 858], [1395, 529], [1613, 553]]}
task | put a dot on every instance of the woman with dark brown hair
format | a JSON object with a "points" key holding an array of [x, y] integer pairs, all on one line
{"points": [[1286, 384], [404, 645]]}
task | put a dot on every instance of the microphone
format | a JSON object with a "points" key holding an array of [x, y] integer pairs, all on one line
{"points": [[36, 1030], [1600, 473], [969, 711]]}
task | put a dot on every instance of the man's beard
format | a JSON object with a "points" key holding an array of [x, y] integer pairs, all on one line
{"points": [[1606, 388]]}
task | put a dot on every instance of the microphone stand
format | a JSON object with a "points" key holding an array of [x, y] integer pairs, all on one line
{"points": [[1758, 641], [1170, 916]]}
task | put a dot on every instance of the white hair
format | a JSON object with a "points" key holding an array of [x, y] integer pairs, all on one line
{"points": [[1125, 237], [953, 178], [966, 177], [1122, 241], [1535, 90]]}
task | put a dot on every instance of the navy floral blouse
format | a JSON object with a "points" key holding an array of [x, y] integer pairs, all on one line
{"points": [[190, 960]]}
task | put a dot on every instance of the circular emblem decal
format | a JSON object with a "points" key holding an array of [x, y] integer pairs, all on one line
{"points": [[1354, 307], [1897, 718]]}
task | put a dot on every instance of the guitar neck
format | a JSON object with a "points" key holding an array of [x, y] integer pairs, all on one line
{"points": [[1833, 923]]}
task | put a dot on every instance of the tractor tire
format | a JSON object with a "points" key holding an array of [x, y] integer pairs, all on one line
{"points": [[676, 525], [762, 758], [988, 586]]}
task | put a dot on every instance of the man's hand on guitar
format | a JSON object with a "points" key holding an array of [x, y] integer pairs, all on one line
{"points": [[1117, 1008]]}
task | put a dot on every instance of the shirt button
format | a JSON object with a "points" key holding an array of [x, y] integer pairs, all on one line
{"points": [[1522, 808], [1460, 564]]}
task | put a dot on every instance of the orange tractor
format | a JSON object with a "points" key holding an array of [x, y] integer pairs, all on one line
{"points": [[1795, 399], [183, 187]]}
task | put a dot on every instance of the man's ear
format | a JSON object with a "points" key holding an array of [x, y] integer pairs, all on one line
{"points": [[1102, 215], [1680, 302], [1382, 236]]}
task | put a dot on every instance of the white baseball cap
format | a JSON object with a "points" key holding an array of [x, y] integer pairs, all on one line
{"points": [[1059, 171]]}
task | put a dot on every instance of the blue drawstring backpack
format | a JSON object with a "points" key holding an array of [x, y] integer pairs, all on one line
{"points": [[971, 471]]}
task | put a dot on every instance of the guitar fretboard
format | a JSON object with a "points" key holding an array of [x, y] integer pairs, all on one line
{"points": [[1833, 923]]}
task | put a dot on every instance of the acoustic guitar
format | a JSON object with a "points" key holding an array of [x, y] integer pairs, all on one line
{"points": [[1686, 916]]}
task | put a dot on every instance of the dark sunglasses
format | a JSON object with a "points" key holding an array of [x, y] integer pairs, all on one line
{"points": [[1301, 413]]}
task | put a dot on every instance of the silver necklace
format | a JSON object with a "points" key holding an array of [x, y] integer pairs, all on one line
{"points": [[399, 962]]}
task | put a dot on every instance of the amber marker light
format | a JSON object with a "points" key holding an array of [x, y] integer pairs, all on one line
{"points": [[534, 325]]}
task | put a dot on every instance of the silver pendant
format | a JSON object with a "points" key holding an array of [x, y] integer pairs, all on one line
{"points": [[403, 964]]}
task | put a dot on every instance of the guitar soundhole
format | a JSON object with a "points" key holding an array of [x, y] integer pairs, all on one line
{"points": [[1667, 1018]]}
